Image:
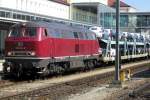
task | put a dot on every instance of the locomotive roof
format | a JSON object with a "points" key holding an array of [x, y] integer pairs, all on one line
{"points": [[29, 24], [50, 25]]}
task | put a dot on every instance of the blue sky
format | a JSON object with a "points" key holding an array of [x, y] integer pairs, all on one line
{"points": [[142, 5]]}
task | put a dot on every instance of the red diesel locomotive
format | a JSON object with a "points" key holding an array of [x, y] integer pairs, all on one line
{"points": [[49, 47]]}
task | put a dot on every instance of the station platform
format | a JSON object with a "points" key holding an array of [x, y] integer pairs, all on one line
{"points": [[136, 88]]}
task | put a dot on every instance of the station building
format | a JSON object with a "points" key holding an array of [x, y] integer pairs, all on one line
{"points": [[135, 22], [95, 12], [103, 14], [132, 20]]}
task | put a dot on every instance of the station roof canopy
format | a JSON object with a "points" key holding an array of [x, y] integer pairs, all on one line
{"points": [[136, 13], [5, 25], [86, 6]]}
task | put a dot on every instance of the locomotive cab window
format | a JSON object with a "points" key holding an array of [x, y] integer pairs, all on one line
{"points": [[45, 32], [22, 32], [14, 32], [31, 31], [75, 34]]}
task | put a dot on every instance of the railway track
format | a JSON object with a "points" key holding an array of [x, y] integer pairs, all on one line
{"points": [[142, 92], [136, 89], [5, 83], [10, 83], [56, 88]]}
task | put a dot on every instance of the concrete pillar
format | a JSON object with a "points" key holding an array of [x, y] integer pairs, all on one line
{"points": [[3, 35], [98, 14]]}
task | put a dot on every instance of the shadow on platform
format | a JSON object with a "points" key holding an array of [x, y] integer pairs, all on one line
{"points": [[143, 74]]}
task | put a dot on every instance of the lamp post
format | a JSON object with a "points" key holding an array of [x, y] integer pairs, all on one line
{"points": [[116, 82], [117, 60]]}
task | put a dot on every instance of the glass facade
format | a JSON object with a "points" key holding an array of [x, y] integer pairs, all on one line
{"points": [[84, 14], [143, 20], [17, 15], [99, 14], [135, 22], [3, 35], [106, 16]]}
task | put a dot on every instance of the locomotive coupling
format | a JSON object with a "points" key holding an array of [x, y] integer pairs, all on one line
{"points": [[6, 67]]}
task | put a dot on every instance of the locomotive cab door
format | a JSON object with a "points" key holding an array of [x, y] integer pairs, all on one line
{"points": [[46, 44], [76, 43]]}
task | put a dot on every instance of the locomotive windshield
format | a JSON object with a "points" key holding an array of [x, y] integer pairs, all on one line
{"points": [[22, 32]]}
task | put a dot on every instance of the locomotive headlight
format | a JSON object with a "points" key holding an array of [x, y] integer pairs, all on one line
{"points": [[33, 53], [9, 53]]}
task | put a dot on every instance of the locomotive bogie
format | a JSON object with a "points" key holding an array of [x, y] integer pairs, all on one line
{"points": [[17, 67]]}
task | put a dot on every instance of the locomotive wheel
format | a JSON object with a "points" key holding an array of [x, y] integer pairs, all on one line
{"points": [[66, 67], [19, 72], [46, 71], [89, 65], [60, 69], [95, 63], [56, 68]]}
